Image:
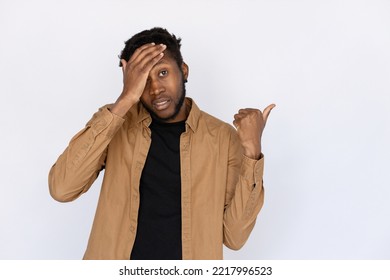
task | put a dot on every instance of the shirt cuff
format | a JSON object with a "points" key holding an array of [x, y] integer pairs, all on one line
{"points": [[106, 123], [252, 170]]}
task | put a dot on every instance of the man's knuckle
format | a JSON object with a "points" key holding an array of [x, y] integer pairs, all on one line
{"points": [[256, 112]]}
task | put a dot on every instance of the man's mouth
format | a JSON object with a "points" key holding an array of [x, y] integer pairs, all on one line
{"points": [[161, 104]]}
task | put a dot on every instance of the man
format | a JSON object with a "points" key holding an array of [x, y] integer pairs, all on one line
{"points": [[178, 182]]}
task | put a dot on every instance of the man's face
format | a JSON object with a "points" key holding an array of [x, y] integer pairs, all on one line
{"points": [[164, 92]]}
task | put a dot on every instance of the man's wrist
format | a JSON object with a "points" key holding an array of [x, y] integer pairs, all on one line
{"points": [[253, 153], [121, 106]]}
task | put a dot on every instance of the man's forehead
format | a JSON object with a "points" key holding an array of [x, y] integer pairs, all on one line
{"points": [[163, 61], [167, 59]]}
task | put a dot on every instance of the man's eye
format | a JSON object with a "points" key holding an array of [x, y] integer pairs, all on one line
{"points": [[163, 73]]}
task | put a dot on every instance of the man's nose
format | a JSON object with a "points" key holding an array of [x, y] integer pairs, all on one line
{"points": [[156, 87]]}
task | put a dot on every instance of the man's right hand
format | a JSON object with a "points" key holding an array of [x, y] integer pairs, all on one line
{"points": [[135, 76]]}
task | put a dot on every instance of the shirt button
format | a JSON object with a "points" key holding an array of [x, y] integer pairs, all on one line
{"points": [[132, 228]]}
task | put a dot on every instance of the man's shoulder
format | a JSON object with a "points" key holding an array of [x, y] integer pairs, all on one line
{"points": [[215, 124], [212, 119], [207, 121]]}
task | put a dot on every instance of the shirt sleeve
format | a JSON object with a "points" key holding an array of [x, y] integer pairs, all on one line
{"points": [[244, 196], [79, 165]]}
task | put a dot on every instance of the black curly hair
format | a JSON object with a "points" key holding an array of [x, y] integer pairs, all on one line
{"points": [[155, 35]]}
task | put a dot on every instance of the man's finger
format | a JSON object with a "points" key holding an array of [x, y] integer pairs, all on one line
{"points": [[147, 54], [267, 111], [236, 124], [139, 50], [148, 62], [238, 116]]}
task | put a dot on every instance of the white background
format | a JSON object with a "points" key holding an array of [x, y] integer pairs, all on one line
{"points": [[326, 64]]}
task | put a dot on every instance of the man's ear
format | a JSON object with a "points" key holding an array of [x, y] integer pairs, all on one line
{"points": [[123, 64], [185, 71]]}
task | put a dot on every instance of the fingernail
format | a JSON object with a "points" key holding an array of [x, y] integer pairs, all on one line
{"points": [[152, 43]]}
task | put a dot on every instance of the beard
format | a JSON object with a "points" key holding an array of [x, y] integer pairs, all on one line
{"points": [[177, 107]]}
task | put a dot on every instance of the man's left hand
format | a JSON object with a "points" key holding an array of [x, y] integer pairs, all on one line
{"points": [[250, 124]]}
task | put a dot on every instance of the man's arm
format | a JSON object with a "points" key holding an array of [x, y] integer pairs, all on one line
{"points": [[79, 165], [245, 194]]}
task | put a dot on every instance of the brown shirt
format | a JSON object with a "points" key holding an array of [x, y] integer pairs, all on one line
{"points": [[222, 190]]}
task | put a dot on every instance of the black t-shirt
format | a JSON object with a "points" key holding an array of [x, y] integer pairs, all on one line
{"points": [[159, 218]]}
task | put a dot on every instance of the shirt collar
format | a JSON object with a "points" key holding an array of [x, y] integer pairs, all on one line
{"points": [[194, 115], [143, 115]]}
